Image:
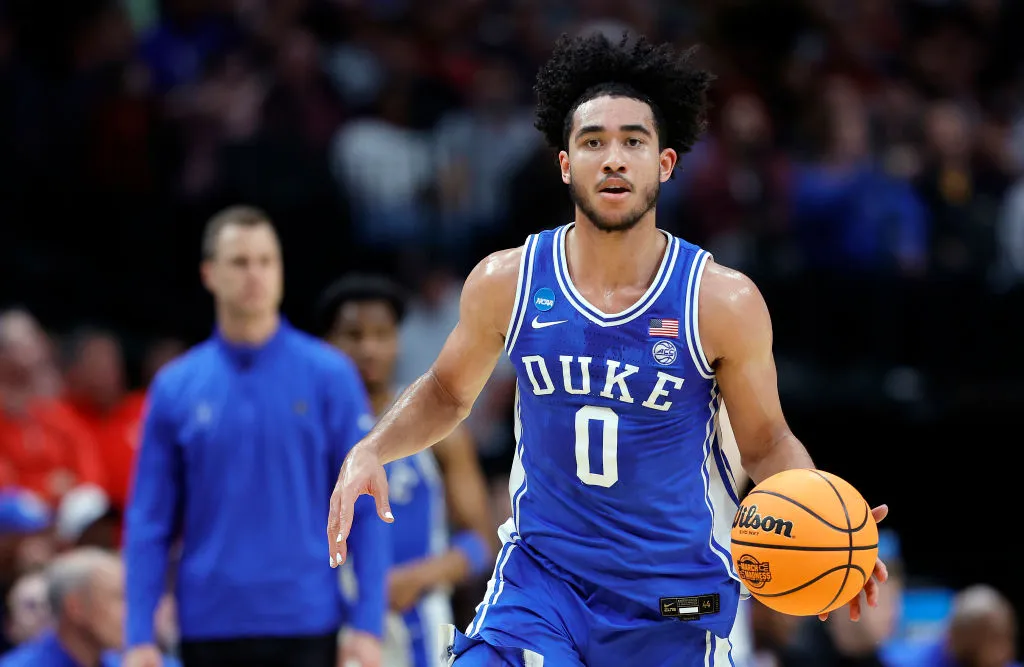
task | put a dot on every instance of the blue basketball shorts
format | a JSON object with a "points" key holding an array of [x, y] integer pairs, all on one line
{"points": [[532, 618]]}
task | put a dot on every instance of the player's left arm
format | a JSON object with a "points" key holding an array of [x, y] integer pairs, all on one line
{"points": [[736, 337], [472, 547]]}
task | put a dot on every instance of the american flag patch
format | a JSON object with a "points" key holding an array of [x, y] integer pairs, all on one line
{"points": [[664, 327]]}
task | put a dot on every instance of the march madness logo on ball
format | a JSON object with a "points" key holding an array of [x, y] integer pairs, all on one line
{"points": [[753, 572]]}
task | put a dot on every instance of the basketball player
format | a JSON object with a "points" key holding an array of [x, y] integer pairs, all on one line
{"points": [[624, 340], [361, 316]]}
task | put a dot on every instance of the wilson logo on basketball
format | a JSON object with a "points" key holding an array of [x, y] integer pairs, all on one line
{"points": [[753, 572], [748, 518]]}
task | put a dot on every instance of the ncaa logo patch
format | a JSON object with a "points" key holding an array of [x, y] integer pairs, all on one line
{"points": [[544, 299], [664, 352]]}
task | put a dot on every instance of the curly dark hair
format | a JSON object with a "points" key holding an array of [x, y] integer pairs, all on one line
{"points": [[582, 68]]}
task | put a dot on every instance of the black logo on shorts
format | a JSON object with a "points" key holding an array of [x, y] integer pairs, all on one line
{"points": [[753, 572], [691, 607], [749, 518]]}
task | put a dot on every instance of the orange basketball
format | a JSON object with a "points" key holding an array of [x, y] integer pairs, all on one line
{"points": [[804, 542]]}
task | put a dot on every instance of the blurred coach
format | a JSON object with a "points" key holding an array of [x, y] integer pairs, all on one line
{"points": [[240, 444]]}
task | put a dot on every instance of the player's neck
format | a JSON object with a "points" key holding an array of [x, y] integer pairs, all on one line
{"points": [[610, 260], [247, 330]]}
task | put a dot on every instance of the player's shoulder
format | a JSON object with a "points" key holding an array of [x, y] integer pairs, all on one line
{"points": [[722, 287], [492, 282], [731, 310], [499, 267]]}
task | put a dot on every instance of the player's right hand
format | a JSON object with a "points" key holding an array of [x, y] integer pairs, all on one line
{"points": [[143, 655], [361, 474]]}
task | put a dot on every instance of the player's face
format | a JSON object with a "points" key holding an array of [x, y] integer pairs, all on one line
{"points": [[245, 275], [368, 333], [613, 166]]}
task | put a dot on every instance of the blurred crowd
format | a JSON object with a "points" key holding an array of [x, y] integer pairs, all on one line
{"points": [[864, 163]]}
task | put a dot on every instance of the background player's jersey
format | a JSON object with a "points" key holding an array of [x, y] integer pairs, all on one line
{"points": [[619, 481], [416, 488], [417, 494]]}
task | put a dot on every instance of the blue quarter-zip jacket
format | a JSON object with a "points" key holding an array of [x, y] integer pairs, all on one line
{"points": [[240, 450]]}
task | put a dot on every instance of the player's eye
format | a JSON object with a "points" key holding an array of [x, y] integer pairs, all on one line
{"points": [[593, 143], [634, 142]]}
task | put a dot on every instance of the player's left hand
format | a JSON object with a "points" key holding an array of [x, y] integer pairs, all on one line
{"points": [[359, 649], [878, 576]]}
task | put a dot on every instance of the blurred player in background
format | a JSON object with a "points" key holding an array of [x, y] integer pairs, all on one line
{"points": [[236, 437], [361, 315], [624, 339]]}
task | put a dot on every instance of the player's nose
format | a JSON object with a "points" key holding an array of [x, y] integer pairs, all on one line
{"points": [[615, 160]]}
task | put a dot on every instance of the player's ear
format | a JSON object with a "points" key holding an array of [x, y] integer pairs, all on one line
{"points": [[563, 163], [669, 158], [205, 270]]}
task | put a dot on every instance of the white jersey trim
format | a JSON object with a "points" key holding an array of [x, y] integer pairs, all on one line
{"points": [[523, 281], [693, 282]]}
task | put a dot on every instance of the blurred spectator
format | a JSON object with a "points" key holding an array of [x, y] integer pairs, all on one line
{"points": [[739, 202], [96, 390], [86, 517], [385, 166], [86, 595], [187, 35], [982, 632], [478, 148], [43, 446], [849, 216], [26, 544], [28, 609], [962, 194], [26, 539]]}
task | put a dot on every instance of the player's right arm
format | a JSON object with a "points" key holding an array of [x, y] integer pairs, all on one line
{"points": [[432, 406]]}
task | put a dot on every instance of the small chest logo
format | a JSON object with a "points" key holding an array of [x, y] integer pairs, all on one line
{"points": [[664, 352], [544, 299]]}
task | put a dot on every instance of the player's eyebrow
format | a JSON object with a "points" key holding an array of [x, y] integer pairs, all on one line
{"points": [[594, 129]]}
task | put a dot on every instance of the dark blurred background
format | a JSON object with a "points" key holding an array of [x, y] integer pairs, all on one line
{"points": [[863, 164]]}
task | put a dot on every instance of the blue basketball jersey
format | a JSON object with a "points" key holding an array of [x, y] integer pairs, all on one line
{"points": [[416, 489], [619, 481]]}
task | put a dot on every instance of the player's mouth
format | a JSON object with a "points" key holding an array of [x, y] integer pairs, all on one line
{"points": [[615, 189]]}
